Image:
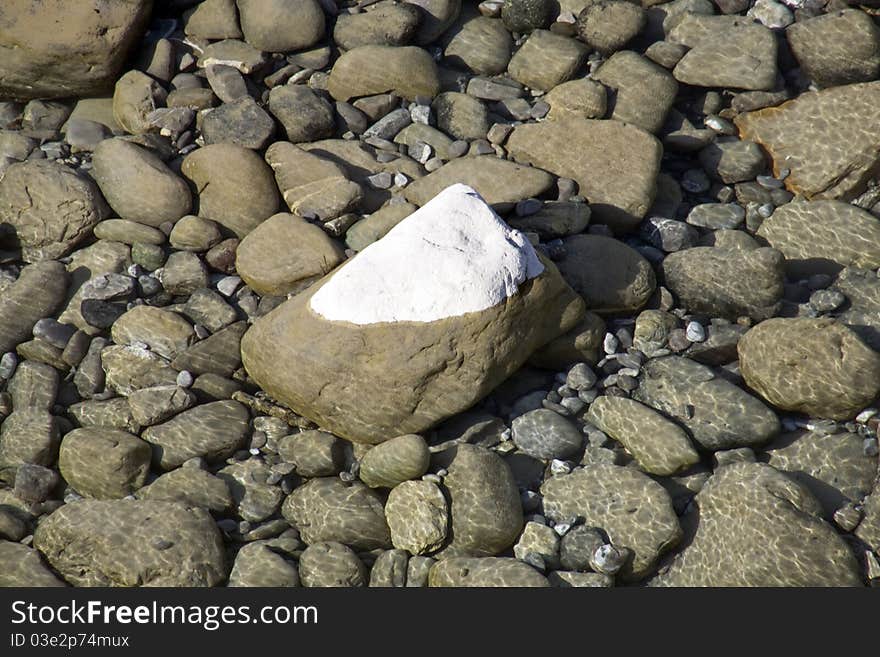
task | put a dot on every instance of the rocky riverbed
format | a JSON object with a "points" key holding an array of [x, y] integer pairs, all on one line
{"points": [[439, 293]]}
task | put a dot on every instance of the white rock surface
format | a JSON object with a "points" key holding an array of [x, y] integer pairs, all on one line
{"points": [[451, 257]]}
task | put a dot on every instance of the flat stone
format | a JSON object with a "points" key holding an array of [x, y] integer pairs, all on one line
{"points": [[132, 543], [609, 25], [758, 527], [217, 354], [729, 283], [461, 115], [482, 46], [304, 114], [383, 24], [406, 71], [212, 19], [235, 187], [823, 237], [484, 505], [128, 232], [496, 180], [37, 293], [191, 487], [154, 405], [418, 517], [255, 499], [546, 60], [240, 122], [284, 253], [257, 565], [583, 98], [547, 435], [331, 564], [619, 186], [814, 366], [163, 331], [313, 453], [635, 511], [643, 92], [839, 165], [281, 25], [661, 447], [610, 276], [329, 509], [716, 413], [211, 431], [837, 48], [461, 572], [312, 184], [49, 208], [395, 461], [104, 463]]}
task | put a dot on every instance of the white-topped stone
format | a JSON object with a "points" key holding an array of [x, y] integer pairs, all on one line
{"points": [[453, 256]]}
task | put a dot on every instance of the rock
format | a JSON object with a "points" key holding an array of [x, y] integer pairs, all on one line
{"points": [[383, 24], [608, 25], [216, 354], [135, 97], [717, 216], [47, 208], [580, 343], [313, 453], [814, 366], [837, 48], [103, 463], [661, 447], [311, 184], [28, 435], [482, 46], [406, 71], [390, 569], [154, 405], [184, 273], [395, 461], [554, 220], [643, 92], [611, 276], [132, 543], [757, 527], [496, 180], [716, 413], [240, 122], [193, 233], [487, 572], [461, 115], [190, 487], [82, 59], [583, 98], [212, 19], [862, 289], [633, 510], [538, 542], [109, 414], [22, 567], [305, 115], [255, 499], [727, 283], [546, 60], [839, 165], [566, 579], [523, 16], [329, 509], [281, 25], [418, 517], [284, 253], [377, 225], [823, 237], [138, 185], [834, 468], [37, 293], [234, 186], [331, 564], [235, 54], [484, 505], [257, 565], [164, 332], [733, 161], [211, 431], [869, 529], [128, 232], [728, 52], [437, 17], [547, 435], [619, 185], [131, 368], [436, 336]]}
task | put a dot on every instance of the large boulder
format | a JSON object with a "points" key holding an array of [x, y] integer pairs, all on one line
{"points": [[46, 209], [615, 164], [132, 543], [381, 347], [814, 366], [840, 164], [62, 48], [757, 527]]}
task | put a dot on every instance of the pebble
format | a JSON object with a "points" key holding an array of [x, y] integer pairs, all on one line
{"points": [[695, 332]]}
